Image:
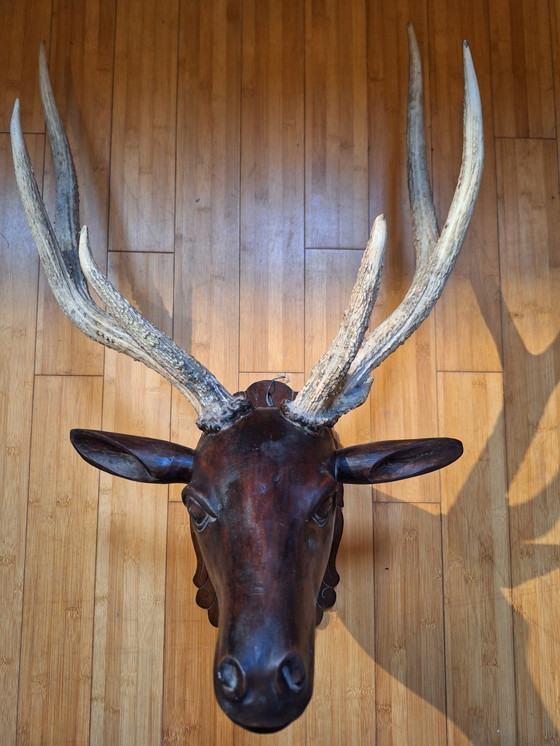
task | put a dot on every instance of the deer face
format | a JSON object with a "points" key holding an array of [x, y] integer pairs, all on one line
{"points": [[262, 501], [264, 498]]}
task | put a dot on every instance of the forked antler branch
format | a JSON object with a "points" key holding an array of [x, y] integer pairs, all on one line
{"points": [[67, 261], [341, 380]]}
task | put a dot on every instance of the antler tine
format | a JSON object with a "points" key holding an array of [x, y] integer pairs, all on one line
{"points": [[436, 254], [436, 260], [424, 222], [329, 373], [215, 406], [67, 215], [122, 328], [69, 288]]}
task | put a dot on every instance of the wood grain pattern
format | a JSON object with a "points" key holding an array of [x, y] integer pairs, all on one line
{"points": [[144, 126], [18, 291], [522, 87], [55, 679], [24, 24], [272, 165], [410, 679], [207, 200], [404, 400], [127, 686], [554, 25], [336, 179], [530, 257], [476, 564], [529, 244], [215, 142]]}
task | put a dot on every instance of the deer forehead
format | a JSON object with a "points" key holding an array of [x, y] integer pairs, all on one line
{"points": [[264, 454]]}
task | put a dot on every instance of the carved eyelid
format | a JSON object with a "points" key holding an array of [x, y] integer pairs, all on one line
{"points": [[314, 514], [197, 497]]}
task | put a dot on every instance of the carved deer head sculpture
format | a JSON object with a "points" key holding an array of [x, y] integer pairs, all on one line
{"points": [[264, 484]]}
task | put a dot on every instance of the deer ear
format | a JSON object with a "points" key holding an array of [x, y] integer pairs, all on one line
{"points": [[133, 457], [391, 460]]}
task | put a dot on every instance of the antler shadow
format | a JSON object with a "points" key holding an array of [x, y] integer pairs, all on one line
{"points": [[527, 521]]}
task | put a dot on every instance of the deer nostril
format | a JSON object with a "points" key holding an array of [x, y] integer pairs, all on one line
{"points": [[232, 680], [291, 673]]}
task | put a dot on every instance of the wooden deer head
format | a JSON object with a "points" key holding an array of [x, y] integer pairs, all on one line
{"points": [[264, 484]]}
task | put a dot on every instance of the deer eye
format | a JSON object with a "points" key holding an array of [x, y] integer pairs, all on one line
{"points": [[323, 511], [200, 515]]}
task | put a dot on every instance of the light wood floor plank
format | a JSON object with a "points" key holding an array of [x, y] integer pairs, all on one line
{"points": [[206, 321], [530, 256], [477, 573], [18, 309], [404, 405], [529, 246], [336, 189], [554, 11], [24, 25], [272, 187], [410, 680], [56, 670], [127, 692], [144, 126], [522, 77]]}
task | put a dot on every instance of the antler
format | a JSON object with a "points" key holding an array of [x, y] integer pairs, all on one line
{"points": [[341, 380], [68, 262]]}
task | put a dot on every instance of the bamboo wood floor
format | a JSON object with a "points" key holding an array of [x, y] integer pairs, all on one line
{"points": [[232, 155]]}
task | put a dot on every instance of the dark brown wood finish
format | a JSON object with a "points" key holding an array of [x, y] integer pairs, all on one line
{"points": [[265, 502]]}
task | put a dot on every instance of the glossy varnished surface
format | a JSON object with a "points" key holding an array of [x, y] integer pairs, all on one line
{"points": [[265, 499]]}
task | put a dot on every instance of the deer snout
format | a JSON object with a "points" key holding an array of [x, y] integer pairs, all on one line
{"points": [[263, 700]]}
